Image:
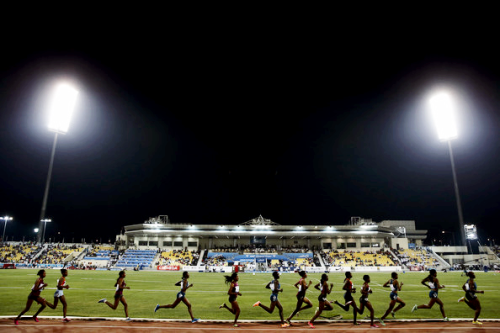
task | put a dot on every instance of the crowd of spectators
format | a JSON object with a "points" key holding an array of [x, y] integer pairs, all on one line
{"points": [[18, 253], [357, 258]]}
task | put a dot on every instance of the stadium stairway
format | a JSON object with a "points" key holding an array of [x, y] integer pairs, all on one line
{"points": [[323, 267], [444, 264], [396, 258], [200, 262]]}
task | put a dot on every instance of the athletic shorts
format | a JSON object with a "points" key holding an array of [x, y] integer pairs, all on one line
{"points": [[58, 293], [118, 296], [232, 298], [470, 296], [300, 296], [322, 298], [363, 300], [274, 297], [181, 295], [393, 296], [348, 297], [433, 294], [35, 298]]}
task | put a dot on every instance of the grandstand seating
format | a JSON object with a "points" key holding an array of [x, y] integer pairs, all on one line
{"points": [[17, 253], [418, 257], [134, 258], [179, 258], [352, 259]]}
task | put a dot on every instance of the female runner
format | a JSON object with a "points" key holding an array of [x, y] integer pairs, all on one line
{"points": [[363, 300], [35, 296], [395, 287], [324, 304], [181, 296], [470, 288], [275, 287], [59, 295], [301, 296], [434, 286], [120, 285], [349, 300], [233, 292]]}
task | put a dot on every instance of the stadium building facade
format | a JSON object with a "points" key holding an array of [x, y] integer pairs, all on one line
{"points": [[358, 234]]}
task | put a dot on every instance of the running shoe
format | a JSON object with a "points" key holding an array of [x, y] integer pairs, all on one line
{"points": [[473, 322], [16, 322], [103, 300], [284, 325], [461, 299], [446, 319], [256, 304], [381, 322], [415, 308], [356, 323], [128, 319], [157, 307], [310, 324], [222, 305], [236, 325], [374, 326], [66, 320], [35, 319], [195, 320]]}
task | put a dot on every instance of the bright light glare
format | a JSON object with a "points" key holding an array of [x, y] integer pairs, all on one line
{"points": [[444, 117], [62, 107]]}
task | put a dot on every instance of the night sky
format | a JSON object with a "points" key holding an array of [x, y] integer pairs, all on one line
{"points": [[221, 124]]}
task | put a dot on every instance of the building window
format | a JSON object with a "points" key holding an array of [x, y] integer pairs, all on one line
{"points": [[195, 244], [153, 243], [341, 246], [143, 243], [167, 243], [351, 244], [365, 244], [327, 245], [375, 244], [177, 243]]}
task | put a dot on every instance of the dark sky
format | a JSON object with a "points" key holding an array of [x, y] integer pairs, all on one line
{"points": [[220, 123]]}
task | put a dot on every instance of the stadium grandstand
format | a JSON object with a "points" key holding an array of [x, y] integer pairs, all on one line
{"points": [[257, 245]]}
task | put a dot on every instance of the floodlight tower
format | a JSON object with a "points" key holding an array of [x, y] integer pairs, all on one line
{"points": [[444, 117], [61, 110], [6, 219]]}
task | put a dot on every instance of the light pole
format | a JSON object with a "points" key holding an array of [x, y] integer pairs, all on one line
{"points": [[44, 221], [60, 115], [36, 232], [443, 112], [5, 218]]}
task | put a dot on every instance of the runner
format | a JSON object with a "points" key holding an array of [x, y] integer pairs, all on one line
{"points": [[233, 292], [301, 296], [434, 286], [120, 285], [470, 288], [181, 296], [59, 295], [325, 290], [275, 287], [395, 287], [364, 302], [349, 300], [35, 296]]}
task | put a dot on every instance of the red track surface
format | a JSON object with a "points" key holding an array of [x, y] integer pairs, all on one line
{"points": [[107, 326]]}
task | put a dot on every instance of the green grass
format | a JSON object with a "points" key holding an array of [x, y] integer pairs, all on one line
{"points": [[209, 291]]}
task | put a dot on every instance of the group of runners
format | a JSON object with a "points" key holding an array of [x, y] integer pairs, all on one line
{"points": [[303, 303]]}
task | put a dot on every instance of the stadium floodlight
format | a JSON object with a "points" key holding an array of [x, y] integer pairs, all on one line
{"points": [[6, 219], [61, 110], [470, 231], [444, 116], [443, 110]]}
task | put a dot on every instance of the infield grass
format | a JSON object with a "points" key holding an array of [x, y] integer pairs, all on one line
{"points": [[149, 288]]}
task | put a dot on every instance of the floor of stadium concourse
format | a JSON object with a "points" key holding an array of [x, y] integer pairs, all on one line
{"points": [[108, 325]]}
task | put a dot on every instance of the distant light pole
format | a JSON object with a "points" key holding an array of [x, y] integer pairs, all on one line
{"points": [[44, 221], [36, 232], [443, 113], [6, 219], [61, 110]]}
